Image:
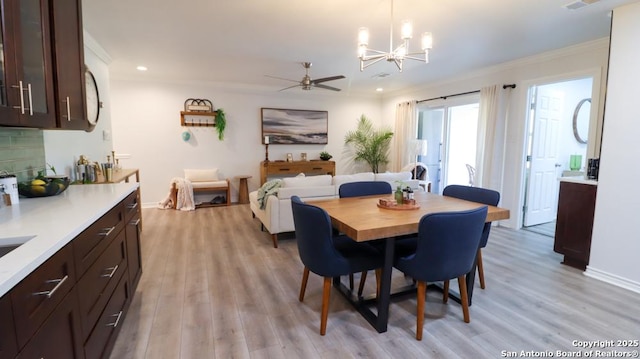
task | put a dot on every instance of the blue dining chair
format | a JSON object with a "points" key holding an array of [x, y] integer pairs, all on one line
{"points": [[446, 248], [326, 255], [480, 195], [364, 188], [357, 189]]}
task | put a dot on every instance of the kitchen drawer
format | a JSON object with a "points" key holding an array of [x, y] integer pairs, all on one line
{"points": [[36, 296], [8, 346], [131, 205], [134, 256], [97, 284], [103, 336], [88, 246], [59, 336]]}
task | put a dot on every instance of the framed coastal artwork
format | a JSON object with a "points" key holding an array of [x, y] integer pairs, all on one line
{"points": [[287, 127]]}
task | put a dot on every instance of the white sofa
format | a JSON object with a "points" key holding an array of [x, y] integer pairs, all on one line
{"points": [[277, 217]]}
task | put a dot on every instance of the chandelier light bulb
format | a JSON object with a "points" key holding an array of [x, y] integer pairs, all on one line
{"points": [[363, 37], [427, 41], [407, 30]]}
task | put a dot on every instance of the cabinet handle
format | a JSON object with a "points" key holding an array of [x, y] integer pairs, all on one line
{"points": [[30, 100], [68, 109], [284, 169], [135, 223], [115, 324], [49, 293], [21, 107], [132, 206], [113, 271], [108, 231]]}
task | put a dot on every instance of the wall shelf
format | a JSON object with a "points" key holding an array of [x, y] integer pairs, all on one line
{"points": [[198, 118]]}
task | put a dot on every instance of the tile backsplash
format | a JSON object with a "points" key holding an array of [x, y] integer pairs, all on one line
{"points": [[21, 152]]}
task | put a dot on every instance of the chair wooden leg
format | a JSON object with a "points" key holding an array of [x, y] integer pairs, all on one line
{"points": [[445, 292], [422, 294], [326, 292], [363, 279], [464, 298], [274, 239], [480, 268], [303, 286]]}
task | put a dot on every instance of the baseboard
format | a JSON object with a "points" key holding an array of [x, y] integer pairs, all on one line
{"points": [[612, 279]]}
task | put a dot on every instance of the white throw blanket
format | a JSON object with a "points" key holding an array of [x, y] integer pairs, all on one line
{"points": [[184, 198]]}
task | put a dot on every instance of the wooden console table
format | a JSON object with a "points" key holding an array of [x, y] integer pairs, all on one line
{"points": [[278, 168]]}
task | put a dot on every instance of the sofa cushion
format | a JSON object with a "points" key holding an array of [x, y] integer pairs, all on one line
{"points": [[338, 180], [204, 175], [306, 192], [393, 177], [210, 184], [308, 181]]}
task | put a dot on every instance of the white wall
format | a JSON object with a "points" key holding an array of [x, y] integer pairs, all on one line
{"points": [[615, 246], [63, 148], [146, 125], [558, 65]]}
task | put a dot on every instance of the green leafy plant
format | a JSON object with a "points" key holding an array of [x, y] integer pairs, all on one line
{"points": [[369, 144], [221, 123], [325, 156]]}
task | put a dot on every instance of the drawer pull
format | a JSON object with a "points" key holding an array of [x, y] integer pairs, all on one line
{"points": [[284, 169], [135, 223], [108, 231], [49, 293], [132, 206], [317, 168], [113, 271], [115, 324]]}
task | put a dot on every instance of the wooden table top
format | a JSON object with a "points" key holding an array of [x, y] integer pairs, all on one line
{"points": [[361, 219]]}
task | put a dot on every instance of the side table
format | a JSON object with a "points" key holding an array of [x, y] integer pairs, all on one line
{"points": [[243, 189]]}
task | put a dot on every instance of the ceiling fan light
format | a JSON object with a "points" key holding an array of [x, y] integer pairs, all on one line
{"points": [[407, 30], [427, 41], [363, 37]]}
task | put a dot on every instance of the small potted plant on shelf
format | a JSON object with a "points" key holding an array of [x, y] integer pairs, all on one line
{"points": [[325, 156]]}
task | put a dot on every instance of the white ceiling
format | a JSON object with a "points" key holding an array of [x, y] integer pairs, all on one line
{"points": [[241, 41]]}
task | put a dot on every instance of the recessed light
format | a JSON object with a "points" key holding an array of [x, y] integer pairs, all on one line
{"points": [[141, 68], [379, 89]]}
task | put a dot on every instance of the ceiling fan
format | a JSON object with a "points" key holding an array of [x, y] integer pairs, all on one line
{"points": [[307, 82]]}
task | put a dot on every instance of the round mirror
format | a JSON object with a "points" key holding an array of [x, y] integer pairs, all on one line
{"points": [[581, 117]]}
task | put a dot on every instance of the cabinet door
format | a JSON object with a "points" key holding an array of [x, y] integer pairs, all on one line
{"points": [[132, 230], [59, 336], [8, 346], [33, 58], [69, 64], [9, 91]]}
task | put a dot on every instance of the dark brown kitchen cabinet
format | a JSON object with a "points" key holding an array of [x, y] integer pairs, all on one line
{"points": [[8, 346], [69, 64], [133, 227], [27, 95], [576, 206], [38, 295], [59, 336]]}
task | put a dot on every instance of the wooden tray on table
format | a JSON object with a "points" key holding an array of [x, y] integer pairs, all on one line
{"points": [[399, 207]]}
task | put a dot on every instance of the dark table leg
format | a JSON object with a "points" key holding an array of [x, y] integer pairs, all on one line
{"points": [[385, 287]]}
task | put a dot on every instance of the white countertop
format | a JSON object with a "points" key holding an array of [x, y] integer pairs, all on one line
{"points": [[581, 180], [52, 222]]}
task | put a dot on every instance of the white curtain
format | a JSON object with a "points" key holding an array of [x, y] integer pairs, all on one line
{"points": [[406, 129], [492, 127]]}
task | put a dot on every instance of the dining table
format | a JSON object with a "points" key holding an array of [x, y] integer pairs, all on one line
{"points": [[364, 220]]}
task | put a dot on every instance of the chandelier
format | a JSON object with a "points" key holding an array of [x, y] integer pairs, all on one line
{"points": [[369, 56]]}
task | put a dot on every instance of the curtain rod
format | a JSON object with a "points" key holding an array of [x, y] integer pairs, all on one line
{"points": [[463, 93]]}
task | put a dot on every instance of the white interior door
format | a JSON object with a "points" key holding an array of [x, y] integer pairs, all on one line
{"points": [[542, 189]]}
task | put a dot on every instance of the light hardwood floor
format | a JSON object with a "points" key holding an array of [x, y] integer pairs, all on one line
{"points": [[214, 287]]}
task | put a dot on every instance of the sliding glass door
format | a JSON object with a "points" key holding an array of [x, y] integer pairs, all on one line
{"points": [[451, 134]]}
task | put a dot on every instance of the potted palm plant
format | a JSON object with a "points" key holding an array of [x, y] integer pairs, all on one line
{"points": [[369, 144]]}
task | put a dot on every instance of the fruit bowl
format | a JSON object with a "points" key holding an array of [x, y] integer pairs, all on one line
{"points": [[44, 186]]}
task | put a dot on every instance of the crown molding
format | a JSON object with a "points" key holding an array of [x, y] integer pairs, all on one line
{"points": [[91, 44]]}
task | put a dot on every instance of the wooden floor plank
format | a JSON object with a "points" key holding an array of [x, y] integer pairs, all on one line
{"points": [[214, 287]]}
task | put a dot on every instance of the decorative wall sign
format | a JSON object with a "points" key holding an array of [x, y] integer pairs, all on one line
{"points": [[295, 126]]}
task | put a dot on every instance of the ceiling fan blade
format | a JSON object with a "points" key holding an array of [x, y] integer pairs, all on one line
{"points": [[326, 87], [290, 87], [281, 78], [325, 79]]}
